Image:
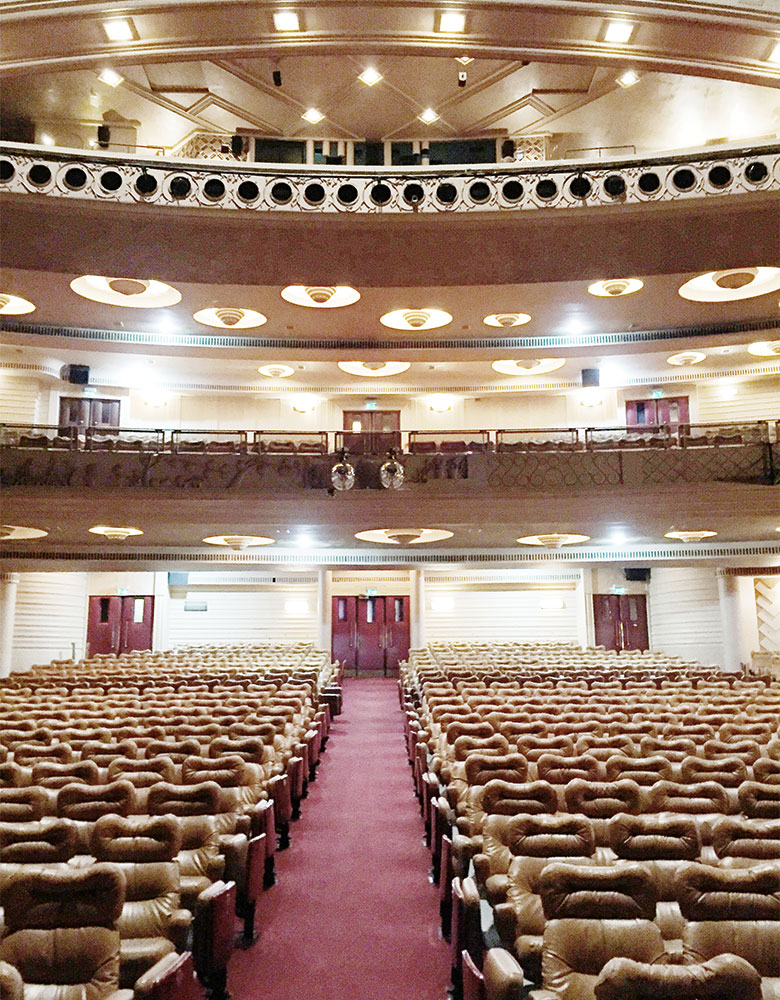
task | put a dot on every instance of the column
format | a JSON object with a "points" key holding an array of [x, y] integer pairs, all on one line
{"points": [[162, 597], [417, 609], [584, 599], [9, 582], [324, 608], [738, 618]]}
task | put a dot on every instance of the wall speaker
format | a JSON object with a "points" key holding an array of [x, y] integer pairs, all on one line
{"points": [[590, 378], [103, 136], [637, 574], [75, 374], [277, 77], [237, 145]]}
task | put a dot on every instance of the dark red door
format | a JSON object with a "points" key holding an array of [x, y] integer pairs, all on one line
{"points": [[396, 632], [344, 643], [371, 635], [650, 412], [137, 623], [104, 625], [620, 621]]}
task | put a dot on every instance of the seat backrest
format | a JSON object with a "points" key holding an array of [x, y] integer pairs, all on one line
{"points": [[49, 774], [559, 770], [184, 800], [48, 841], [597, 892], [464, 746], [481, 768], [90, 802], [725, 977], [757, 839], [710, 893], [507, 837], [139, 839], [23, 805], [642, 770], [727, 771], [695, 799], [653, 837], [758, 800], [142, 773]]}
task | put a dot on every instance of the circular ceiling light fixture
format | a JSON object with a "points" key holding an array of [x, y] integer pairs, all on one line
{"points": [[276, 371], [765, 349], [135, 293], [115, 534], [14, 305], [731, 285], [542, 366], [690, 536], [230, 318], [612, 288], [238, 542], [321, 296], [554, 539], [391, 472], [18, 533], [374, 369], [507, 319], [415, 319], [342, 475], [686, 358], [404, 536]]}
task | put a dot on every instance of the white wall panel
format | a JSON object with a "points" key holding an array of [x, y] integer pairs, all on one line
{"points": [[244, 616], [501, 615], [685, 613], [757, 400], [18, 399], [51, 618]]}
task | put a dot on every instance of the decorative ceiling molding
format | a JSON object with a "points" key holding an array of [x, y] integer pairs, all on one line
{"points": [[749, 571]]}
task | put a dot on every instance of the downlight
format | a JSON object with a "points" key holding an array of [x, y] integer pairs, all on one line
{"points": [[765, 349], [554, 539], [321, 296], [416, 319], [238, 542], [612, 288], [391, 472], [115, 534], [404, 536], [19, 533], [686, 358], [542, 366], [506, 320], [732, 285], [230, 318], [276, 371], [342, 475], [135, 293], [14, 305], [374, 369], [690, 536]]}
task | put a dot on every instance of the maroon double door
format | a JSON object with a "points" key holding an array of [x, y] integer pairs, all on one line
{"points": [[620, 621], [119, 624], [370, 634]]}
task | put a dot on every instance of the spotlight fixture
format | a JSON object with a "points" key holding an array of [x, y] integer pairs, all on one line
{"points": [[14, 305], [320, 296], [428, 117], [370, 76], [627, 79], [391, 472], [452, 22], [313, 116], [120, 29], [686, 358], [416, 319], [618, 32], [238, 542], [286, 20], [110, 77], [229, 318], [114, 534], [690, 536], [554, 539], [342, 475], [276, 371], [612, 288]]}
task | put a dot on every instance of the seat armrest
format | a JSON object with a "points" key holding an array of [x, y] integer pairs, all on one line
{"points": [[146, 983], [235, 848], [179, 924], [506, 922], [481, 868]]}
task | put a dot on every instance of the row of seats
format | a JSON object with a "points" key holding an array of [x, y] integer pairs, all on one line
{"points": [[596, 768], [179, 775]]}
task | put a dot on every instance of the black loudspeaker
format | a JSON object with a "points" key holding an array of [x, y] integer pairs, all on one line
{"points": [[75, 374], [590, 378], [103, 136], [237, 145], [277, 75], [637, 575]]}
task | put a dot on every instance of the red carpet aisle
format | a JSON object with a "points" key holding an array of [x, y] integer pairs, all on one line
{"points": [[354, 916]]}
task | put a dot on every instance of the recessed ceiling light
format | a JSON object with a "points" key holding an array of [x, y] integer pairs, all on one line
{"points": [[554, 539], [685, 358], [618, 32], [229, 318], [611, 288], [313, 116], [320, 296], [18, 533], [415, 319], [238, 542], [120, 29], [286, 20], [760, 349], [114, 534], [439, 403], [507, 319], [136, 293], [404, 536], [542, 366], [110, 77], [428, 117], [374, 369], [731, 285], [452, 22], [14, 305], [276, 371], [627, 78], [690, 536], [464, 60], [774, 55], [370, 76]]}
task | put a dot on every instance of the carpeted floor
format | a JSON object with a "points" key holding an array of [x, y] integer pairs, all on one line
{"points": [[353, 916]]}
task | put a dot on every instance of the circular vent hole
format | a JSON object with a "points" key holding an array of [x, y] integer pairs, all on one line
{"points": [[580, 187], [6, 170], [546, 190], [146, 184], [314, 193], [75, 178], [446, 193], [756, 172], [248, 191], [684, 179], [39, 174], [180, 187], [281, 192], [413, 194], [649, 183], [720, 176], [381, 194], [512, 190], [615, 186], [347, 194], [214, 188], [479, 191], [110, 180]]}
